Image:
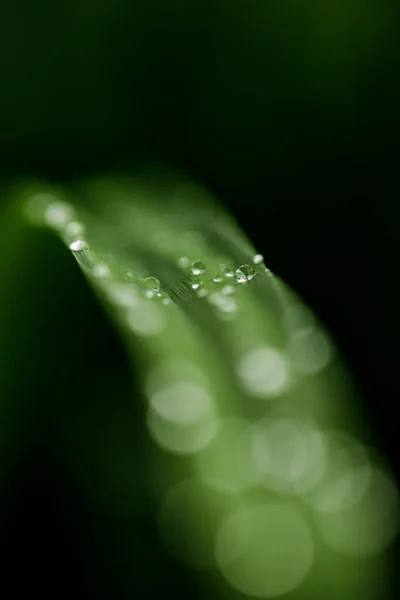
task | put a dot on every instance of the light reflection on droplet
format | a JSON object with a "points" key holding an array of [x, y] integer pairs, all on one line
{"points": [[74, 229], [198, 267], [369, 527], [227, 290], [172, 371], [297, 317], [258, 259], [58, 214], [181, 440], [309, 351], [264, 372], [202, 293], [122, 294], [227, 465], [147, 319], [78, 245], [346, 475], [265, 551], [245, 273], [228, 269], [82, 253], [101, 270], [37, 204], [288, 454], [151, 284], [183, 262], [183, 402]]}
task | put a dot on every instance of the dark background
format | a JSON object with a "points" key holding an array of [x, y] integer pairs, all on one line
{"points": [[287, 111]]}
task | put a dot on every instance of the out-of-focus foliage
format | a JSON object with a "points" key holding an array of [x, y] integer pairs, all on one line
{"points": [[251, 457]]}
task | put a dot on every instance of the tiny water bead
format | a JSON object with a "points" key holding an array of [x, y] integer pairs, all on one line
{"points": [[198, 267], [258, 259], [217, 278], [150, 286], [78, 245], [196, 285], [245, 273], [81, 251]]}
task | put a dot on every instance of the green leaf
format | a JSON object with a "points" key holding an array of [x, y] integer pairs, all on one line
{"points": [[255, 450]]}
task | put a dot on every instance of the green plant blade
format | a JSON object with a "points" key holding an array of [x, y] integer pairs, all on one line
{"points": [[254, 447]]}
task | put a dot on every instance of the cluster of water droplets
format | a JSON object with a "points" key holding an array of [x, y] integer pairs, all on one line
{"points": [[216, 286]]}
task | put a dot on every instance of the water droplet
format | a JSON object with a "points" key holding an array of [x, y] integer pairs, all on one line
{"points": [[245, 273], [258, 259], [82, 253], [101, 270], [227, 269], [195, 285], [78, 245], [183, 262], [151, 284], [198, 267], [217, 278]]}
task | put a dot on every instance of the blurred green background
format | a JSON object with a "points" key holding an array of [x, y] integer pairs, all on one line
{"points": [[288, 111]]}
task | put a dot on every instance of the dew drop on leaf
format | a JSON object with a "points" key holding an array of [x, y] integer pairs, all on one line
{"points": [[258, 259], [245, 273], [78, 246], [151, 284], [198, 267]]}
